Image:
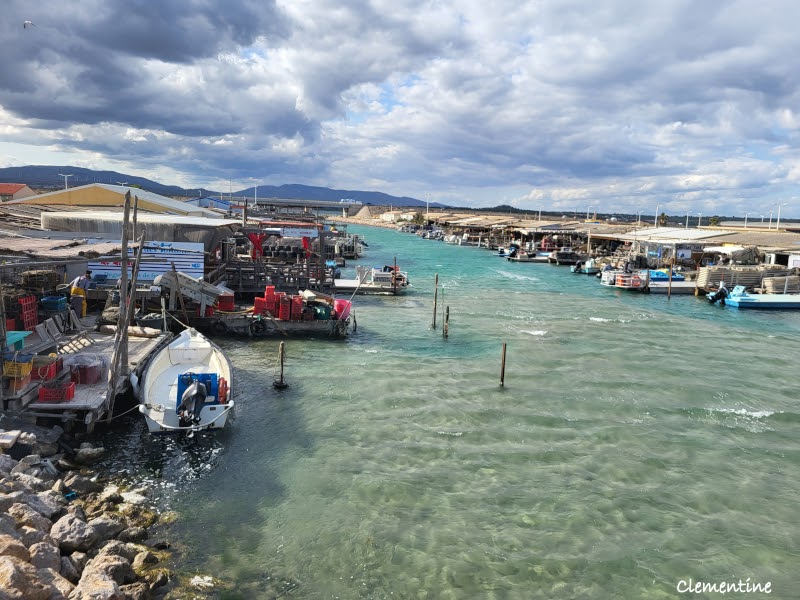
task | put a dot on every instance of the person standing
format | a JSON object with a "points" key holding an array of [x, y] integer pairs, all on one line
{"points": [[79, 287]]}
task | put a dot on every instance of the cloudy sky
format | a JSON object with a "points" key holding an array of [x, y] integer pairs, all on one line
{"points": [[568, 105]]}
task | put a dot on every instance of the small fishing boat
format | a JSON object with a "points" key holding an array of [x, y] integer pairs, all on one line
{"points": [[187, 386], [565, 256], [525, 256], [585, 268], [739, 297], [376, 280], [637, 281]]}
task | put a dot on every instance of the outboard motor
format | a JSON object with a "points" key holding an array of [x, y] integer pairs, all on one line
{"points": [[720, 295], [192, 401]]}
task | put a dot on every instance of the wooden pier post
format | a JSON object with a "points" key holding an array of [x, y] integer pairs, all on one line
{"points": [[503, 367], [435, 298], [280, 384], [446, 325]]}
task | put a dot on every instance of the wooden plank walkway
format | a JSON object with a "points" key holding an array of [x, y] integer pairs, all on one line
{"points": [[89, 402]]}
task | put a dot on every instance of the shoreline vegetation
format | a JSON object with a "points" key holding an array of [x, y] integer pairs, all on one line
{"points": [[70, 532]]}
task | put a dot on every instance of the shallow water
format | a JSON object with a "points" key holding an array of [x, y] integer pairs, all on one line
{"points": [[638, 441]]}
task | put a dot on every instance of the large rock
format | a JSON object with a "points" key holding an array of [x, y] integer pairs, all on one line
{"points": [[8, 525], [25, 515], [30, 536], [6, 500], [107, 526], [71, 533], [102, 577], [48, 503], [45, 556], [68, 570], [136, 591], [26, 462], [143, 559], [32, 482], [20, 581], [133, 534], [7, 463], [88, 456], [117, 548], [82, 485], [62, 587], [10, 546]]}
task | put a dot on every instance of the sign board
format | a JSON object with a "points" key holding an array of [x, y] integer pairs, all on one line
{"points": [[298, 232], [157, 258]]}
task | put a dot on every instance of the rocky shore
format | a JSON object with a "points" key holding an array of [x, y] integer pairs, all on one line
{"points": [[68, 533]]}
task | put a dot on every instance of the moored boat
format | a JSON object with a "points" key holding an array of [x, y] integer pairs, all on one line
{"points": [[186, 386], [739, 297], [376, 280]]}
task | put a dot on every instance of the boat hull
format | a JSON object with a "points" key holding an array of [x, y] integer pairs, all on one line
{"points": [[165, 377]]}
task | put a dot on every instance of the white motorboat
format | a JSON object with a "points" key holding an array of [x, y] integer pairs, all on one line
{"points": [[187, 386], [375, 280]]}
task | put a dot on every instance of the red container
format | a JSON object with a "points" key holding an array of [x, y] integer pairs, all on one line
{"points": [[87, 375], [209, 311], [297, 308], [277, 303], [11, 324], [58, 393], [285, 310], [44, 371], [226, 302], [259, 306], [269, 291]]}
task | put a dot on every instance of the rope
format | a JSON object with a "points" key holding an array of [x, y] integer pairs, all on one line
{"points": [[125, 413]]}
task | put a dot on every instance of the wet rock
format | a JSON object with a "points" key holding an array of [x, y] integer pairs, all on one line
{"points": [[111, 495], [143, 559], [20, 581], [11, 546], [133, 534], [25, 515], [71, 533], [82, 485], [157, 578], [45, 556], [118, 548], [88, 456], [136, 591]]}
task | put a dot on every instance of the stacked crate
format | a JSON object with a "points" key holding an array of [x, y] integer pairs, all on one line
{"points": [[28, 313]]}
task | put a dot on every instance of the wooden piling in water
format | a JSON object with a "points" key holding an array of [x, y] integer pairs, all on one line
{"points": [[503, 367], [446, 324], [435, 298]]}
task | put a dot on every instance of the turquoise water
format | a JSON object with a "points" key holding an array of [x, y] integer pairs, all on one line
{"points": [[637, 442]]}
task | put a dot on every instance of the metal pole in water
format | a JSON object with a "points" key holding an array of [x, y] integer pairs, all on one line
{"points": [[435, 298], [503, 367], [446, 325]]}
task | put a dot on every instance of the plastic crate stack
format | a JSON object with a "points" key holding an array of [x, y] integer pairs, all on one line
{"points": [[28, 313]]}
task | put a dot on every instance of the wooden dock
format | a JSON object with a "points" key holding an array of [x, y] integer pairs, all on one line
{"points": [[90, 402]]}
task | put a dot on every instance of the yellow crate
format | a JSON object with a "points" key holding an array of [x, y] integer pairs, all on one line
{"points": [[15, 369]]}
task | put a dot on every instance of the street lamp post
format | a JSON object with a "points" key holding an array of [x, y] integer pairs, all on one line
{"points": [[122, 183], [770, 220], [778, 224], [699, 219], [687, 221], [66, 184], [540, 214], [655, 220], [745, 219], [639, 217]]}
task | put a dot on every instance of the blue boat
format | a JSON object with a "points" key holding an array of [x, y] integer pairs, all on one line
{"points": [[740, 298], [664, 276]]}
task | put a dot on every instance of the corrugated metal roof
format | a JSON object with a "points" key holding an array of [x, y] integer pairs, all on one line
{"points": [[150, 218], [44, 249]]}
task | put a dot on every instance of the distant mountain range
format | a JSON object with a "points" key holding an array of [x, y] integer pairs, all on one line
{"points": [[42, 177]]}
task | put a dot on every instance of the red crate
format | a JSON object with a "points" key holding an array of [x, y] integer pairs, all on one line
{"points": [[45, 372], [209, 311], [58, 392], [27, 301], [88, 374], [11, 324]]}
